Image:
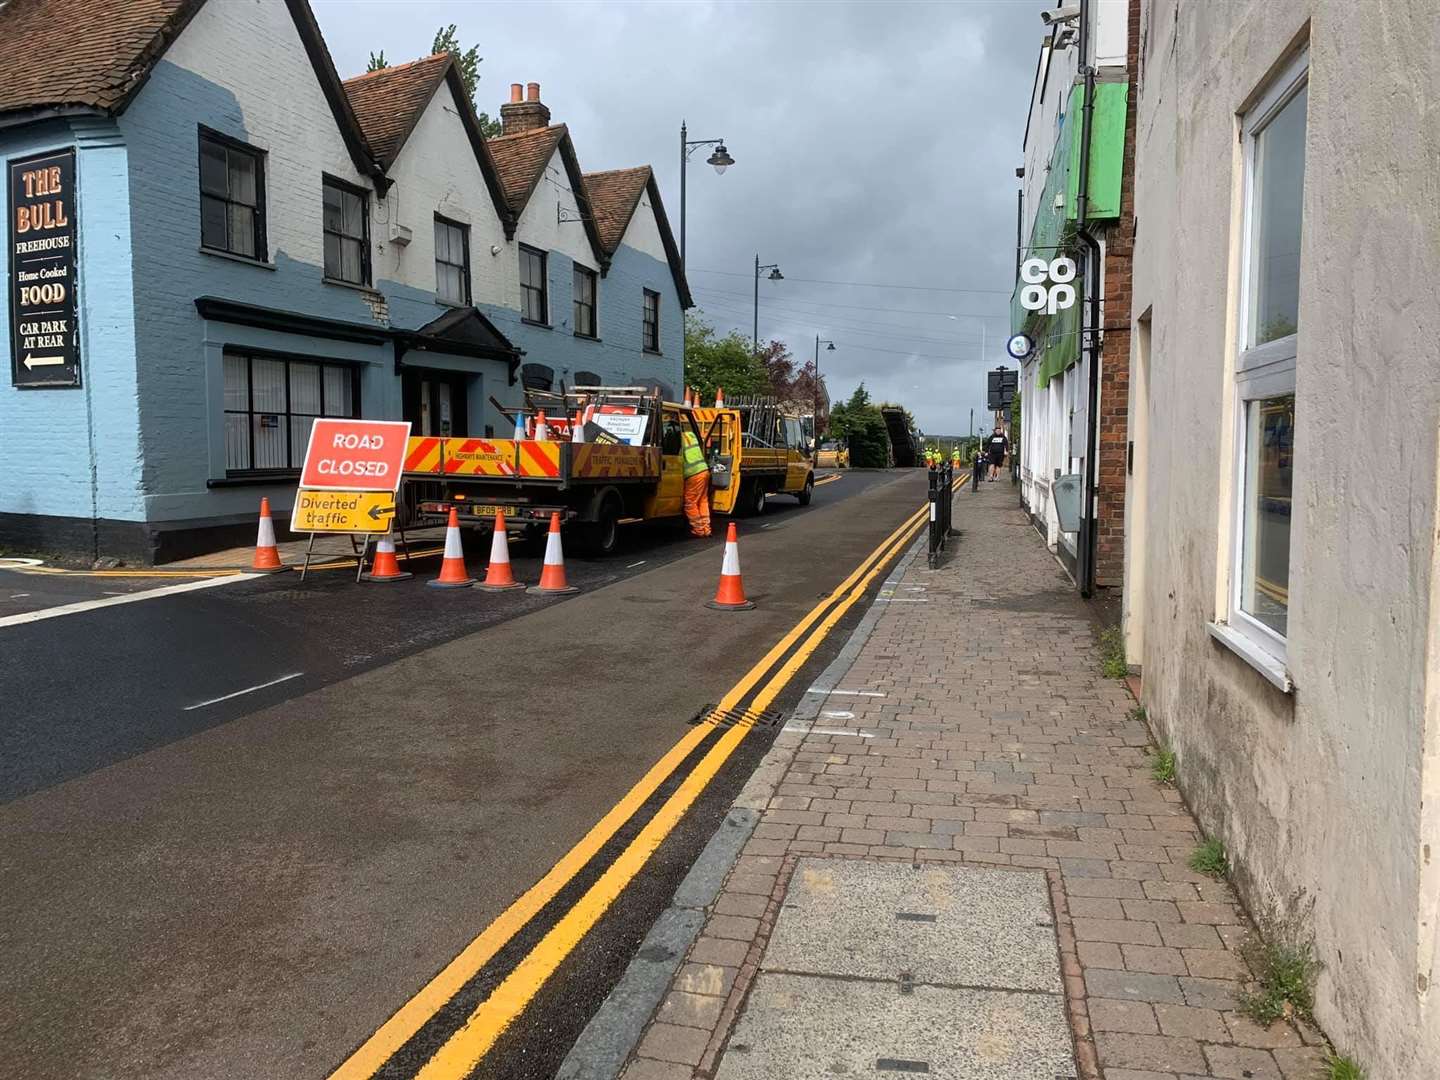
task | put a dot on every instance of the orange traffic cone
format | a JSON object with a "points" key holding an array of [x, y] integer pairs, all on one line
{"points": [[385, 567], [552, 575], [498, 577], [453, 574], [577, 429], [730, 596], [267, 555], [719, 397], [542, 429]]}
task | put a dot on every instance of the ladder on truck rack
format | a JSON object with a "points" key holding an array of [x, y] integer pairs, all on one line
{"points": [[759, 417]]}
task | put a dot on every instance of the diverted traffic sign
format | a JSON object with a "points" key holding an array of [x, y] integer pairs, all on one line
{"points": [[355, 455], [343, 511]]}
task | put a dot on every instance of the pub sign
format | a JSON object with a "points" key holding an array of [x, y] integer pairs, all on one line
{"points": [[44, 335]]}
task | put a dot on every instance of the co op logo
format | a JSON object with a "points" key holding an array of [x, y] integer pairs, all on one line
{"points": [[1037, 296]]}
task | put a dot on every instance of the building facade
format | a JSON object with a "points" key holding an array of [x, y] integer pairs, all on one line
{"points": [[247, 242], [1282, 593], [1076, 326]]}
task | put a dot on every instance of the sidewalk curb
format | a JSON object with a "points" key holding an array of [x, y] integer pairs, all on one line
{"points": [[611, 1036]]}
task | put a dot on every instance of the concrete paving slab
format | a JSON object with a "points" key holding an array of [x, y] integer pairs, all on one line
{"points": [[956, 926], [802, 1027]]}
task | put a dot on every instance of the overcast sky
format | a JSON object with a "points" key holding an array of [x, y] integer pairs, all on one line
{"points": [[874, 142]]}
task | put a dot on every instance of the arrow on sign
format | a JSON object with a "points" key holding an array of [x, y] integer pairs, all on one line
{"points": [[32, 361], [377, 512]]}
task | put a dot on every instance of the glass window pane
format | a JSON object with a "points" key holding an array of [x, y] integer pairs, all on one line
{"points": [[354, 214], [212, 169], [1265, 566], [1279, 188], [242, 230], [334, 218], [332, 255], [269, 388], [337, 391], [350, 260], [213, 232], [305, 388], [269, 434], [299, 438], [237, 382], [242, 177], [237, 441], [442, 242]]}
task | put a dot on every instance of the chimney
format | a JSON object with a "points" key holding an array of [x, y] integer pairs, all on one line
{"points": [[517, 115]]}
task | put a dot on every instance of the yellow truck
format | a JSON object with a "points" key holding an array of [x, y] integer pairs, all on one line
{"points": [[628, 469]]}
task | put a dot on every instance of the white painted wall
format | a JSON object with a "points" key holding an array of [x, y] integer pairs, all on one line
{"points": [[437, 173], [643, 232], [1327, 797], [537, 226]]}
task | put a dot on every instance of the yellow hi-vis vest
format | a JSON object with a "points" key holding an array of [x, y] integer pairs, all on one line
{"points": [[691, 454]]}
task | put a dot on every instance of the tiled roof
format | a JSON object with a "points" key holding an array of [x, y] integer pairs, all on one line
{"points": [[614, 195], [388, 102], [86, 53], [521, 159]]}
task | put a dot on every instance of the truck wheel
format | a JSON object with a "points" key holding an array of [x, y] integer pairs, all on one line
{"points": [[807, 491], [757, 498], [601, 537]]}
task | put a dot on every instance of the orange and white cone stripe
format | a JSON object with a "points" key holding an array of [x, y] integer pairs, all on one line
{"points": [[730, 596], [498, 576], [453, 574], [267, 554], [719, 397], [552, 574], [385, 567]]}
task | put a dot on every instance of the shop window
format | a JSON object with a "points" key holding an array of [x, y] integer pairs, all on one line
{"points": [[270, 403], [452, 261], [232, 196], [1274, 146], [347, 233], [534, 286], [585, 286], [652, 321]]}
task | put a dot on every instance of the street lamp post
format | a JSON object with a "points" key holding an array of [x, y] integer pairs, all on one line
{"points": [[775, 275], [815, 375], [720, 159]]}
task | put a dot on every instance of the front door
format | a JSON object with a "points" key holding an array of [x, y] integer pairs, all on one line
{"points": [[434, 402]]}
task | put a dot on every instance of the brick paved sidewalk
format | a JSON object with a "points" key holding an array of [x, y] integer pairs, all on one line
{"points": [[998, 742]]}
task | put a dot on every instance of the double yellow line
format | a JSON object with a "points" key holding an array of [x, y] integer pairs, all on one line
{"points": [[460, 1054]]}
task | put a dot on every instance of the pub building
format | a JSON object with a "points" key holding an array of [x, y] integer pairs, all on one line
{"points": [[212, 239]]}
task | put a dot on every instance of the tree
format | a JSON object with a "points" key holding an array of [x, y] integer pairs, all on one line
{"points": [[712, 361], [467, 62], [860, 424], [377, 61]]}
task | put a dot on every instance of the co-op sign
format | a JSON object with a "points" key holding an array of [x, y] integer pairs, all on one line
{"points": [[1047, 284]]}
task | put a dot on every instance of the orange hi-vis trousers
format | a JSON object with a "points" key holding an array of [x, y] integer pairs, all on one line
{"points": [[697, 503]]}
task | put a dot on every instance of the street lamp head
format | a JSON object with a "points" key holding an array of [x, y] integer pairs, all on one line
{"points": [[830, 347], [775, 275], [721, 159]]}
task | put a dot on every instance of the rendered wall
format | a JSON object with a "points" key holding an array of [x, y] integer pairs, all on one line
{"points": [[1326, 797]]}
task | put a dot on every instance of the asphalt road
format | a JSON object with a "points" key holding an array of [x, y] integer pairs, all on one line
{"points": [[250, 886]]}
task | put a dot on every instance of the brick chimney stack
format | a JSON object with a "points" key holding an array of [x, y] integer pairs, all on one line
{"points": [[525, 114]]}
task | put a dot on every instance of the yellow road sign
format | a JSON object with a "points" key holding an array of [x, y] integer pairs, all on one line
{"points": [[343, 511]]}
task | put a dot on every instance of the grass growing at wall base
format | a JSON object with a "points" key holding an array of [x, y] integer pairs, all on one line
{"points": [[1210, 858], [1285, 978], [1343, 1068], [1162, 765], [1112, 653]]}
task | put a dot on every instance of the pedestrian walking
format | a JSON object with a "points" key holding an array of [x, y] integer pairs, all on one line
{"points": [[697, 484], [996, 450]]}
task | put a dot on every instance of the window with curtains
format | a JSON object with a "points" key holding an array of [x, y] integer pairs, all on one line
{"points": [[651, 324], [347, 233], [534, 286], [452, 261], [585, 288], [1273, 133], [270, 403], [232, 196]]}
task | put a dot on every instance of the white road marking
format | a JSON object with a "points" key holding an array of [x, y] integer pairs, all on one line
{"points": [[12, 561], [247, 690], [901, 600], [128, 598], [19, 595], [767, 525], [635, 564], [851, 732], [851, 693], [838, 714]]}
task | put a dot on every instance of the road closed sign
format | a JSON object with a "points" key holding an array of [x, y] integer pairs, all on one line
{"points": [[355, 455]]}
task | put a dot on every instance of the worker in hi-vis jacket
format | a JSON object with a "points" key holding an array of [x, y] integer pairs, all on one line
{"points": [[697, 484]]}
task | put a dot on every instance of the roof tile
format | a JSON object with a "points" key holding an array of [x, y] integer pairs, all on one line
{"points": [[614, 195], [388, 102], [521, 159]]}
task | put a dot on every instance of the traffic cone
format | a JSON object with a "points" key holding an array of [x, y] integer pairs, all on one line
{"points": [[498, 577], [453, 574], [267, 555], [552, 574], [719, 397], [519, 435], [730, 596], [385, 567], [542, 429], [577, 429]]}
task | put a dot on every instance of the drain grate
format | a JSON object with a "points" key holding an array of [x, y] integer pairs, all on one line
{"points": [[725, 718]]}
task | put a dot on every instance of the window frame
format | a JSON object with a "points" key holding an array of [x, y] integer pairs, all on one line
{"points": [[326, 180], [581, 271], [261, 238], [646, 325], [441, 219], [544, 288], [250, 356], [1262, 371]]}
